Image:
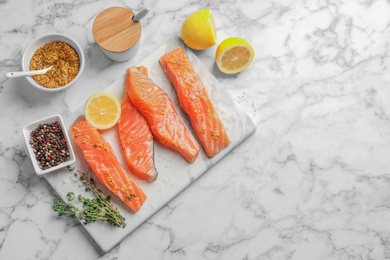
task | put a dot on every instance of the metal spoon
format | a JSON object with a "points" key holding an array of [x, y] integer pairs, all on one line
{"points": [[141, 14], [26, 73]]}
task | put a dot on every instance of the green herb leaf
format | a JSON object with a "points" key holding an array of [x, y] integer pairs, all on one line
{"points": [[97, 209]]}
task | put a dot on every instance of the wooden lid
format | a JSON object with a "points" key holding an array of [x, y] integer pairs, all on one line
{"points": [[114, 29]]}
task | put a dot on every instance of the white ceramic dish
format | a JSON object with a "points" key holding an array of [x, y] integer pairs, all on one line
{"points": [[117, 34], [27, 129], [122, 56], [42, 40]]}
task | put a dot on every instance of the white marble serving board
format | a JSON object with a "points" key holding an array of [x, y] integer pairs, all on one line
{"points": [[174, 173]]}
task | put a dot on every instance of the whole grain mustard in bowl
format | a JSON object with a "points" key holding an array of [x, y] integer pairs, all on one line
{"points": [[58, 51]]}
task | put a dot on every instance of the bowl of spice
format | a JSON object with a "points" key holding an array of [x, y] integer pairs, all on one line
{"points": [[48, 144], [58, 51]]}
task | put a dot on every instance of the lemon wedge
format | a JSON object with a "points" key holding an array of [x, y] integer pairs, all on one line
{"points": [[102, 110], [198, 30], [234, 55]]}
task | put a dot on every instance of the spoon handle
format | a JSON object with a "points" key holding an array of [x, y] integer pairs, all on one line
{"points": [[141, 14], [25, 73]]}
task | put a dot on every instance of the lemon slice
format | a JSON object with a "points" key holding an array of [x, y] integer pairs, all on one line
{"points": [[102, 110], [198, 30], [234, 55]]}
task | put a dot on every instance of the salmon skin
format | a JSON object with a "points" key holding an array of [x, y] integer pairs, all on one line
{"points": [[101, 158], [194, 100], [159, 112], [136, 140]]}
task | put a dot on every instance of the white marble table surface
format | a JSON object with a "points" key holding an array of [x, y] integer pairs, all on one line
{"points": [[313, 182]]}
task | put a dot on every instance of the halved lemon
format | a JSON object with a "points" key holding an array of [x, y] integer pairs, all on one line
{"points": [[198, 30], [234, 55], [102, 110]]}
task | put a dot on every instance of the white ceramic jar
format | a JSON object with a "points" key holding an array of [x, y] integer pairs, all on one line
{"points": [[117, 34]]}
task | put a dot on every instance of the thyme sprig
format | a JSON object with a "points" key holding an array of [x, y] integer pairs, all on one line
{"points": [[98, 209]]}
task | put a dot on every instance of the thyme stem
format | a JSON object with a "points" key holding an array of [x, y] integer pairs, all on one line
{"points": [[98, 209]]}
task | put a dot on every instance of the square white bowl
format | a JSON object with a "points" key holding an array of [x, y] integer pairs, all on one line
{"points": [[27, 129]]}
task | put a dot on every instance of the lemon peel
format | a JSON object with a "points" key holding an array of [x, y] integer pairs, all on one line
{"points": [[198, 30]]}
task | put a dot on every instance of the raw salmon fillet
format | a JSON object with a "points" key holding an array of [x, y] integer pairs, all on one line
{"points": [[159, 112], [137, 142], [194, 100], [101, 158]]}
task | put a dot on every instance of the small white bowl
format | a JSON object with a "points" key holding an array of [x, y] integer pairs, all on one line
{"points": [[27, 129], [42, 40]]}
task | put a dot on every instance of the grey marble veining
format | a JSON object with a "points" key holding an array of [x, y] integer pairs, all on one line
{"points": [[311, 183]]}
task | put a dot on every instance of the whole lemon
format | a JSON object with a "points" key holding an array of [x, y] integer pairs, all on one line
{"points": [[198, 30]]}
